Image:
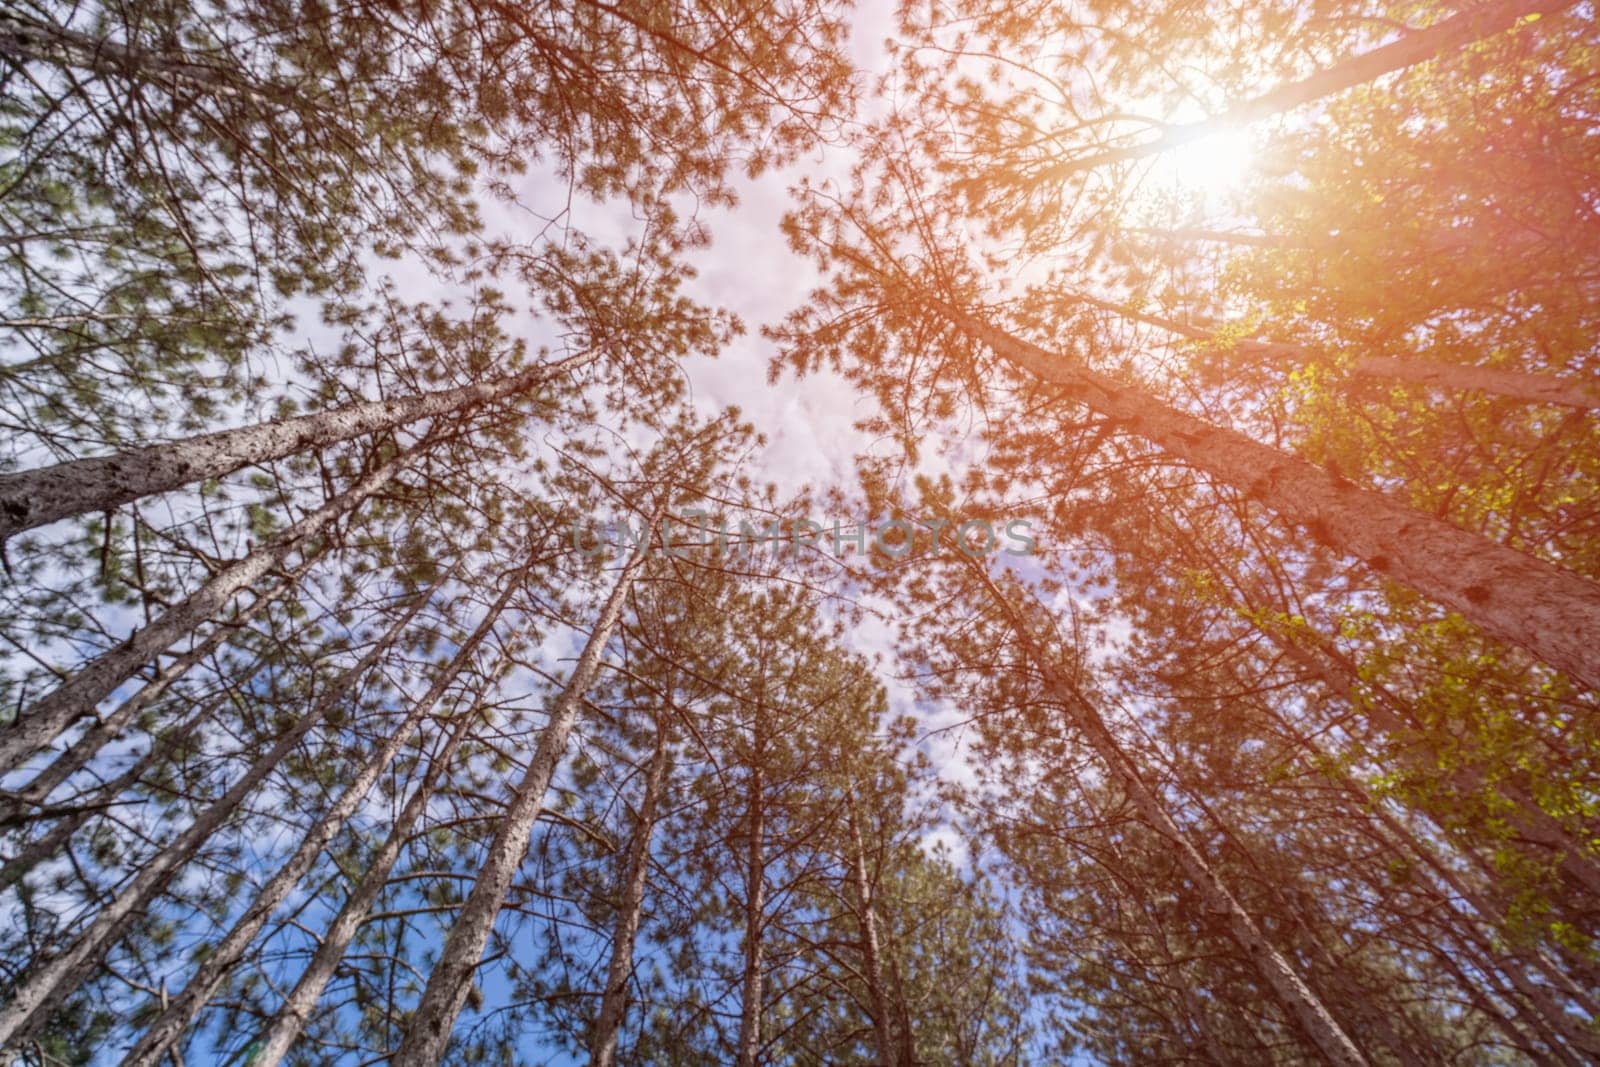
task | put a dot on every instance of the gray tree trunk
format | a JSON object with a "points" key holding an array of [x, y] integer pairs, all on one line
{"points": [[44, 988], [45, 718], [867, 928], [451, 980], [630, 907], [35, 497], [1522, 600], [752, 990]]}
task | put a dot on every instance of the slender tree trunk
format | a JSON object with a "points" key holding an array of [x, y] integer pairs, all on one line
{"points": [[1525, 816], [614, 1002], [285, 1026], [451, 980], [1325, 1033], [81, 751], [44, 988], [182, 1008], [902, 1008], [867, 927], [35, 497], [1515, 385], [1511, 384], [1474, 24], [43, 720], [1522, 600], [1492, 916], [56, 838], [752, 988]]}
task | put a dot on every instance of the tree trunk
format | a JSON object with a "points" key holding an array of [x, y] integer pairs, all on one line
{"points": [[752, 988], [867, 926], [1474, 24], [1326, 1035], [1522, 600], [614, 1002], [81, 751], [182, 1008], [1526, 816], [285, 1026], [54, 839], [753, 985], [902, 1008], [35, 497], [451, 980], [1461, 377], [43, 720], [43, 989]]}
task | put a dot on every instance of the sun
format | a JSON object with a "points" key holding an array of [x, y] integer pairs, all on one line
{"points": [[1212, 168]]}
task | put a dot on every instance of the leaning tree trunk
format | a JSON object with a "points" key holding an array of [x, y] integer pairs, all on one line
{"points": [[1494, 381], [451, 980], [867, 929], [53, 840], [43, 720], [44, 989], [81, 751], [154, 1046], [614, 1001], [1474, 24], [1391, 718], [1495, 958], [1522, 600], [285, 1026], [752, 988], [35, 497], [1319, 1025]]}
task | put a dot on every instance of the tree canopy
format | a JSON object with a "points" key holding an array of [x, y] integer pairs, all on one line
{"points": [[440, 629]]}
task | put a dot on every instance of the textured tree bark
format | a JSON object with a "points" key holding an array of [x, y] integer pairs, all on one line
{"points": [[45, 718], [614, 1001], [451, 980], [906, 1036], [1517, 598], [867, 927], [81, 751], [1473, 24], [1513, 385], [285, 1026], [1529, 819], [157, 1041], [35, 497], [44, 988], [752, 988], [51, 843], [1510, 969], [1319, 1025]]}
